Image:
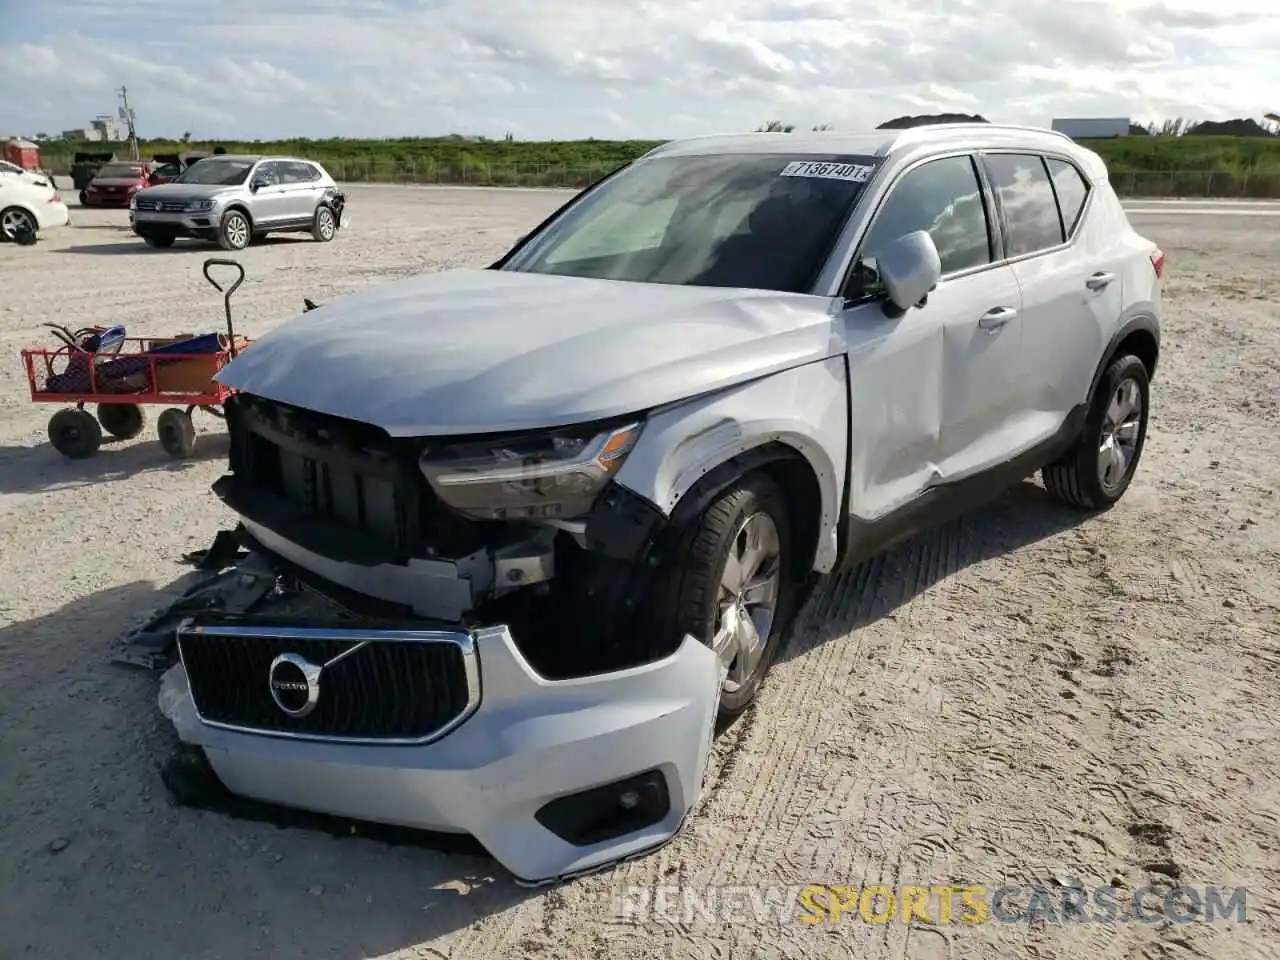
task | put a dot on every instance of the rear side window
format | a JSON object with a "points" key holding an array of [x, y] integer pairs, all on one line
{"points": [[943, 198], [1025, 197], [1072, 189], [293, 171]]}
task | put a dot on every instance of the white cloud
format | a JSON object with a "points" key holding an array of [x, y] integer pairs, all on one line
{"points": [[651, 68]]}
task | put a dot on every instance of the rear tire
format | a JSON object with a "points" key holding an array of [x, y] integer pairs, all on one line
{"points": [[750, 518], [124, 421], [235, 231], [323, 224], [75, 434], [15, 220], [1097, 471]]}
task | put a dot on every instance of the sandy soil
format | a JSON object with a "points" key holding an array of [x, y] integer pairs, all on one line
{"points": [[1020, 698]]}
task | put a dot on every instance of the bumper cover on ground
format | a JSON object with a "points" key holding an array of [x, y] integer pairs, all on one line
{"points": [[530, 741]]}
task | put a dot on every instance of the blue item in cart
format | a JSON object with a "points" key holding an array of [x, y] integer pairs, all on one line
{"points": [[201, 343]]}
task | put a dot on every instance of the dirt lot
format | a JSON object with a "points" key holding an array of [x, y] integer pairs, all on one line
{"points": [[1023, 698]]}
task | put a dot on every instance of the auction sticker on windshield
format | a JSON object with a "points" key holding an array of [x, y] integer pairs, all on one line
{"points": [[827, 170]]}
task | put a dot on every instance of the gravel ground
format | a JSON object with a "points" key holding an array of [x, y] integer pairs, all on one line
{"points": [[1020, 698]]}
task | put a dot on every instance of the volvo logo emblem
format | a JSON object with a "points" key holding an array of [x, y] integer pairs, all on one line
{"points": [[295, 684]]}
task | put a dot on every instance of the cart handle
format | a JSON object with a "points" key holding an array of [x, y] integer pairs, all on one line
{"points": [[226, 294]]}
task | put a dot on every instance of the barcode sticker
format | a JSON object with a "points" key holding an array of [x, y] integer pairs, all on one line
{"points": [[826, 170]]}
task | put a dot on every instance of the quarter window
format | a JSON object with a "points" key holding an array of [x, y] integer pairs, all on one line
{"points": [[942, 197], [1071, 188], [1026, 201]]}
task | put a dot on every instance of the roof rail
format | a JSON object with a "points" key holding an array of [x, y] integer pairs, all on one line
{"points": [[915, 134]]}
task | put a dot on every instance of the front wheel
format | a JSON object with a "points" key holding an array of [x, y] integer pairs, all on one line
{"points": [[234, 231], [124, 421], [177, 433], [1097, 471], [733, 587], [158, 239], [75, 434]]}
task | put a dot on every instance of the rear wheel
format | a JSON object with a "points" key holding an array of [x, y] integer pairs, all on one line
{"points": [[234, 232], [323, 225], [15, 220], [1097, 471], [731, 585], [124, 421]]}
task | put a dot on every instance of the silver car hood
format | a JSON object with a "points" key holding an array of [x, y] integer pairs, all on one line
{"points": [[477, 351], [186, 191]]}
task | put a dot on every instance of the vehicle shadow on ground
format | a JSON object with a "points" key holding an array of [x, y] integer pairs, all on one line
{"points": [[41, 467], [836, 606], [82, 748], [110, 249]]}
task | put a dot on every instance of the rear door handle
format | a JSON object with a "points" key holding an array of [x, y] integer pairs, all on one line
{"points": [[996, 317], [1099, 281]]}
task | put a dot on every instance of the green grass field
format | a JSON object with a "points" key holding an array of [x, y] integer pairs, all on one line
{"points": [[1140, 165]]}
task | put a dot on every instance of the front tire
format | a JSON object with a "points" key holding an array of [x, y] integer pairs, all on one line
{"points": [[158, 239], [733, 581], [234, 232], [124, 421], [75, 434], [1097, 471], [177, 433]]}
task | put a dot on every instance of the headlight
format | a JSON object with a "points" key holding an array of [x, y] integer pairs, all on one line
{"points": [[133, 201], [199, 206], [554, 474]]}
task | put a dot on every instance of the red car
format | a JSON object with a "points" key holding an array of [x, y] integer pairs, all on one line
{"points": [[169, 166], [115, 182]]}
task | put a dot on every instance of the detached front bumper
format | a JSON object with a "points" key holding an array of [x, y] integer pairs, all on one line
{"points": [[519, 772]]}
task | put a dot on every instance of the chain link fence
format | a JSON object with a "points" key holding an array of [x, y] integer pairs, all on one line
{"points": [[1128, 183]]}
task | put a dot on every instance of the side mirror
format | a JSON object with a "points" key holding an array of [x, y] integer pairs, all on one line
{"points": [[909, 268], [256, 184]]}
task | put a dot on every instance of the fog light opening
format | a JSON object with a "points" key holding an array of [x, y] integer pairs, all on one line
{"points": [[608, 812]]}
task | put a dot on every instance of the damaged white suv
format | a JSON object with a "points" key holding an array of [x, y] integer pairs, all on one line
{"points": [[517, 535]]}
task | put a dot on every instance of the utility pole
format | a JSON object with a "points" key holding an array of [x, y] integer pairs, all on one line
{"points": [[126, 114]]}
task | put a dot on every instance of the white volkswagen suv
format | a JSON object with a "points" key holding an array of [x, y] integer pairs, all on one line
{"points": [[557, 508]]}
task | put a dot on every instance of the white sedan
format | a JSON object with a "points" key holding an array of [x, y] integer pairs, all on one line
{"points": [[29, 205]]}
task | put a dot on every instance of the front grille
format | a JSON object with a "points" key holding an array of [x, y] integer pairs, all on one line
{"points": [[161, 206], [399, 686]]}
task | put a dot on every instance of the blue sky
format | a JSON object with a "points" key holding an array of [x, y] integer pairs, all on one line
{"points": [[645, 68]]}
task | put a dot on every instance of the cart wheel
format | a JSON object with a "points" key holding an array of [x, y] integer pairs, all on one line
{"points": [[123, 421], [74, 433], [177, 433]]}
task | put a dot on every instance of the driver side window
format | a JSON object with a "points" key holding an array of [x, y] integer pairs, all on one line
{"points": [[942, 197], [268, 173]]}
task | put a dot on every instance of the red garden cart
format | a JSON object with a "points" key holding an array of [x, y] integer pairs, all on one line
{"points": [[121, 374]]}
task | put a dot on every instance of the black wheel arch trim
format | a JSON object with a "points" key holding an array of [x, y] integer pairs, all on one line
{"points": [[623, 525], [1141, 323]]}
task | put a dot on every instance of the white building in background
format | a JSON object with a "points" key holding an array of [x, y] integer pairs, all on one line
{"points": [[1092, 128], [106, 127]]}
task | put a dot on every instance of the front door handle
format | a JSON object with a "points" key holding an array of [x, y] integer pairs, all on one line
{"points": [[996, 317], [1099, 281]]}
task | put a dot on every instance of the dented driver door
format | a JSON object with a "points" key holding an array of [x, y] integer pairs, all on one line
{"points": [[933, 388]]}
